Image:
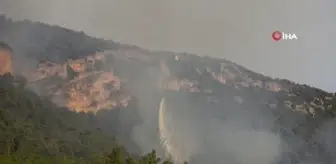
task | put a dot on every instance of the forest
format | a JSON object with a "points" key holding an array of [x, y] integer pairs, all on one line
{"points": [[34, 130]]}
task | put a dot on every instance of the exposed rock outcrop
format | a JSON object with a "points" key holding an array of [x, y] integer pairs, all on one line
{"points": [[80, 84], [5, 58]]}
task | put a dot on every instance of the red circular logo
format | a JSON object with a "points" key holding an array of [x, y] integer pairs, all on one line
{"points": [[277, 35]]}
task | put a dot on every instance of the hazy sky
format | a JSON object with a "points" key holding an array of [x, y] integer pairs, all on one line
{"points": [[238, 30]]}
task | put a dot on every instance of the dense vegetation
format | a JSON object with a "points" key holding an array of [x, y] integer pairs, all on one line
{"points": [[33, 130]]}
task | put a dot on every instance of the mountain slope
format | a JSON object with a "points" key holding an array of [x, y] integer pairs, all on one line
{"points": [[87, 74], [34, 130]]}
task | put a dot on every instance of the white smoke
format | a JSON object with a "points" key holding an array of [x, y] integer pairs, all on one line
{"points": [[185, 135], [175, 142]]}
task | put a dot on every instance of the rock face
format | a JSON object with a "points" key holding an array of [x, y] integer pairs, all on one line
{"points": [[5, 58], [95, 92], [91, 83], [80, 84]]}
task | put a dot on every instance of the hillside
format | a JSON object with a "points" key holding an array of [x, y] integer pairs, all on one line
{"points": [[91, 76], [34, 130]]}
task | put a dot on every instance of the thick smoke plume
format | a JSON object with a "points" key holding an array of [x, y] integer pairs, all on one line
{"points": [[191, 135]]}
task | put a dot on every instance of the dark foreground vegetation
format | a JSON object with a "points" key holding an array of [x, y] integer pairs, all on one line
{"points": [[35, 131]]}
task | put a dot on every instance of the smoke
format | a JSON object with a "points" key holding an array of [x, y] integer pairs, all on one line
{"points": [[142, 86], [19, 38], [179, 141], [189, 134], [233, 29], [325, 136]]}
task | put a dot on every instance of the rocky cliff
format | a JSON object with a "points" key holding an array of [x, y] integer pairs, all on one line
{"points": [[84, 85], [5, 58], [80, 84]]}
